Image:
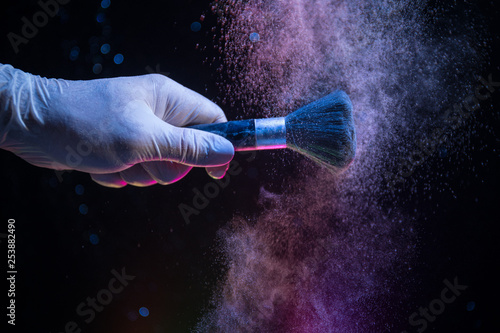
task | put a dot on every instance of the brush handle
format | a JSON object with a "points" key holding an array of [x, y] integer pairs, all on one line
{"points": [[252, 134]]}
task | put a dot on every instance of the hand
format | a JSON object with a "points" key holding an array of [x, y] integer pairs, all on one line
{"points": [[125, 130]]}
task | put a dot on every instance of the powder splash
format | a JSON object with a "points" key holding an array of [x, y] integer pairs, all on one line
{"points": [[331, 255]]}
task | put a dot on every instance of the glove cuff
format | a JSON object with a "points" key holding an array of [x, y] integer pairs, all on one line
{"points": [[19, 108]]}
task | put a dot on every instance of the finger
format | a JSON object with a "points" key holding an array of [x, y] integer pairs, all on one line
{"points": [[166, 172], [137, 176], [109, 180], [159, 141], [197, 148], [217, 172], [180, 106]]}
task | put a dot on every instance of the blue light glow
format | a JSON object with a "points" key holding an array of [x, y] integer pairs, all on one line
{"points": [[195, 26], [94, 239], [105, 48], [79, 189], [471, 306], [100, 17], [74, 53], [118, 59], [144, 312], [105, 3], [83, 209], [97, 68], [254, 37]]}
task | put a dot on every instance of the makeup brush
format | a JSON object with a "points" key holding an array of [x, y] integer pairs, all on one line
{"points": [[322, 130]]}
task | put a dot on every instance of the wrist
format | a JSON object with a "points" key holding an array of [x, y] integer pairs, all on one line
{"points": [[21, 107]]}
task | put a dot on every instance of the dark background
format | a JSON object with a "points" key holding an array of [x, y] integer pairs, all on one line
{"points": [[142, 230]]}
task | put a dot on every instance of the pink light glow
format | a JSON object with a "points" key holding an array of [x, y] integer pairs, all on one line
{"points": [[327, 256], [260, 148]]}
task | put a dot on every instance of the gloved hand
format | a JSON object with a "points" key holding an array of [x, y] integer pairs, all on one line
{"points": [[125, 130]]}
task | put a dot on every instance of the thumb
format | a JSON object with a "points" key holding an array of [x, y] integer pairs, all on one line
{"points": [[186, 146]]}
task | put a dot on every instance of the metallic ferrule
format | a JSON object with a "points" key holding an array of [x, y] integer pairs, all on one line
{"points": [[270, 133]]}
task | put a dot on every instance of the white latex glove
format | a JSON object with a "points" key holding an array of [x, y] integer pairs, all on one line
{"points": [[124, 130]]}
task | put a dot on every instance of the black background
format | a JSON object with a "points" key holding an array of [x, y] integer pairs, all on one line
{"points": [[142, 230]]}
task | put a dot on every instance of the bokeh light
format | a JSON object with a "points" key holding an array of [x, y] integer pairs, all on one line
{"points": [[94, 239], [105, 3], [79, 189], [254, 37], [118, 59], [100, 17], [83, 209], [195, 26], [97, 68], [144, 311], [105, 48], [74, 53]]}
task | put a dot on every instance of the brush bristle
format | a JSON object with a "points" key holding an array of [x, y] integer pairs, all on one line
{"points": [[324, 131]]}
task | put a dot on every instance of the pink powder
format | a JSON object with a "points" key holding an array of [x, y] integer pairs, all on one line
{"points": [[329, 256]]}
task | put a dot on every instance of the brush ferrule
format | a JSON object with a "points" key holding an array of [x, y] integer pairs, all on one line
{"points": [[270, 133]]}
